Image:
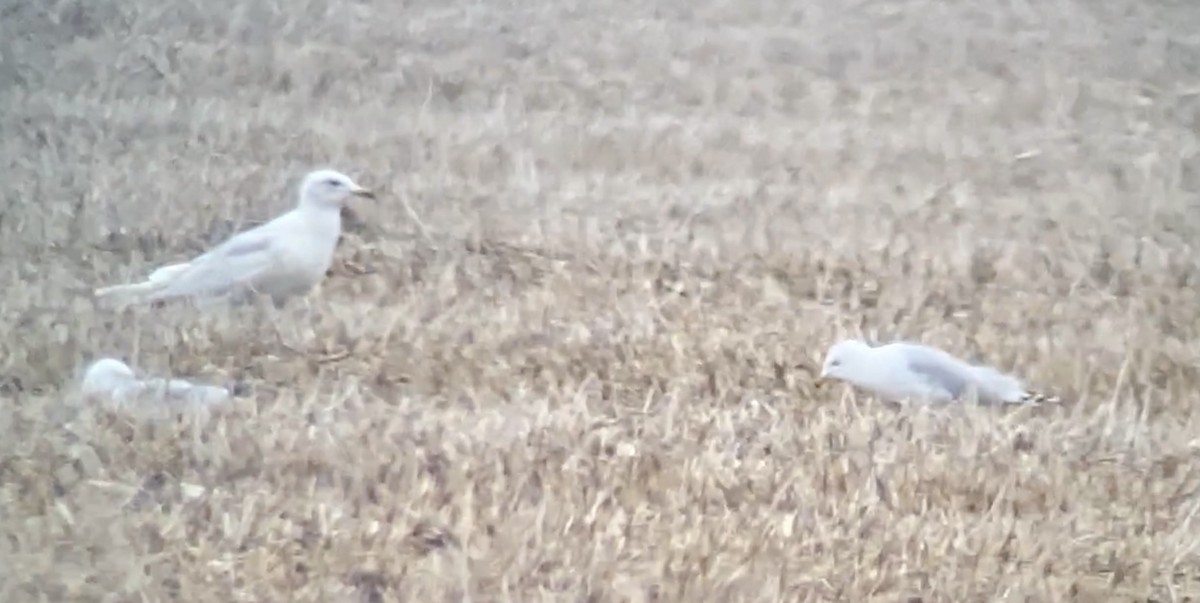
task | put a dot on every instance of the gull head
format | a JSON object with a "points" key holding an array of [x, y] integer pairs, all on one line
{"points": [[104, 375], [845, 360], [329, 188]]}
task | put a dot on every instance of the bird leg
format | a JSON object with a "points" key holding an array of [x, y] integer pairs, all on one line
{"points": [[268, 311], [308, 320]]}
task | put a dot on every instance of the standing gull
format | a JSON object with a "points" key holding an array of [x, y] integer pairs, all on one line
{"points": [[283, 258], [909, 371]]}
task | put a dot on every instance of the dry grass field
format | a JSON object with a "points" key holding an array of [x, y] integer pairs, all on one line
{"points": [[581, 368]]}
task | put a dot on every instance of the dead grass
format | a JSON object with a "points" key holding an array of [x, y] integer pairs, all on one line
{"points": [[586, 381]]}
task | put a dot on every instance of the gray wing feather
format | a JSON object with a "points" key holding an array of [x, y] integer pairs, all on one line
{"points": [[941, 375], [232, 264], [244, 244], [939, 369], [958, 377]]}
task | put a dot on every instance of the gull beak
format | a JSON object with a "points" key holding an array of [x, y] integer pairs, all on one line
{"points": [[359, 191], [823, 379], [811, 369]]}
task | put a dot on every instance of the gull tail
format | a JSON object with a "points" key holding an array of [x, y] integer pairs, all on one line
{"points": [[1010, 390], [1030, 397], [157, 280]]}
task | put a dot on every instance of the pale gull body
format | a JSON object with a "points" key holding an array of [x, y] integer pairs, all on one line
{"points": [[283, 258], [908, 371], [112, 384]]}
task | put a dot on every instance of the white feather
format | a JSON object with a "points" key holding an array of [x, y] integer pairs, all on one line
{"points": [[910, 371], [111, 384], [285, 257]]}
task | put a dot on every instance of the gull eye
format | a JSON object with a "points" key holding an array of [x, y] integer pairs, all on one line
{"points": [[835, 363], [334, 182]]}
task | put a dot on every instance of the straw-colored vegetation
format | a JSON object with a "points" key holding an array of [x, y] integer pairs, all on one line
{"points": [[581, 368]]}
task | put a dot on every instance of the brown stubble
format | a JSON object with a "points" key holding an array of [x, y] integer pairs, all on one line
{"points": [[588, 373]]}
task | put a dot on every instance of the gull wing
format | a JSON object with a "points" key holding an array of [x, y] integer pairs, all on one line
{"points": [[233, 264], [939, 370]]}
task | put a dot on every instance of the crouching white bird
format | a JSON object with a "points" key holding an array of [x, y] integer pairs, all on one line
{"points": [[283, 258], [908, 371], [113, 385]]}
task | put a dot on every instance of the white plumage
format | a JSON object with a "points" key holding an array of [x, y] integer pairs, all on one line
{"points": [[113, 385], [283, 258], [909, 371]]}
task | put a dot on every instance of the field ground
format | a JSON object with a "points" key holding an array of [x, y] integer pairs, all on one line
{"points": [[583, 372]]}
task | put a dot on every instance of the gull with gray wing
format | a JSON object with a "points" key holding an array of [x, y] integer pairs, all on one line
{"points": [[283, 258], [114, 385], [910, 371]]}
